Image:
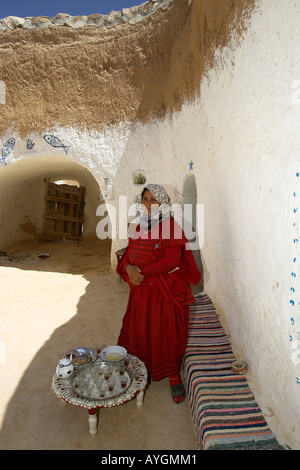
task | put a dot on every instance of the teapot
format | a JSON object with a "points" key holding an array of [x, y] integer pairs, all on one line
{"points": [[65, 368]]}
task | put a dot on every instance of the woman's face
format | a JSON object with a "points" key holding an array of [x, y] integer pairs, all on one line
{"points": [[149, 201]]}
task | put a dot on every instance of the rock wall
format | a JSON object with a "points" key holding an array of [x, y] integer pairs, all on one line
{"points": [[95, 75]]}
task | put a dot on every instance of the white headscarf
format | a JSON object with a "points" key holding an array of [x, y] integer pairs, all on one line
{"points": [[164, 210]]}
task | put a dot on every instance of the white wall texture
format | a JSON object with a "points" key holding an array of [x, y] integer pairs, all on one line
{"points": [[242, 134], [247, 162]]}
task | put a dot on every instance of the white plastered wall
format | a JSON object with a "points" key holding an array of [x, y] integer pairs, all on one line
{"points": [[243, 137], [247, 165]]}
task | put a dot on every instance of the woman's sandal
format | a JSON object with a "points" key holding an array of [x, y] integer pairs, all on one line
{"points": [[178, 393]]}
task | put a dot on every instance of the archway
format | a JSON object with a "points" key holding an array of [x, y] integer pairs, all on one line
{"points": [[22, 192]]}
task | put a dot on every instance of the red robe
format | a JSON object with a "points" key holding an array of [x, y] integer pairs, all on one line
{"points": [[155, 325]]}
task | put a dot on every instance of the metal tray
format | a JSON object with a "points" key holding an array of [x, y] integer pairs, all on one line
{"points": [[87, 382]]}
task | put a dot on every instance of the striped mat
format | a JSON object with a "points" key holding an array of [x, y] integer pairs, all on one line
{"points": [[224, 411]]}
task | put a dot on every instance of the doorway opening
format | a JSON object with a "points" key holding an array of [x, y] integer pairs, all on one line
{"points": [[64, 210], [23, 189]]}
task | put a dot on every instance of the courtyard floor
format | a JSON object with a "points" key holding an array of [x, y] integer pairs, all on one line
{"points": [[71, 299]]}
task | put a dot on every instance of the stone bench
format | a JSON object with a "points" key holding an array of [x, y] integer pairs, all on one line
{"points": [[223, 408]]}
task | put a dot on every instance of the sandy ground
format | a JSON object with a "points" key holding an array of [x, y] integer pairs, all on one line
{"points": [[71, 299]]}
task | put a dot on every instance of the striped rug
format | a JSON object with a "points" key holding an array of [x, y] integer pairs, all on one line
{"points": [[223, 408]]}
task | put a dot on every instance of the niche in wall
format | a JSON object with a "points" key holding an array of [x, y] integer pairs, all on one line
{"points": [[189, 213]]}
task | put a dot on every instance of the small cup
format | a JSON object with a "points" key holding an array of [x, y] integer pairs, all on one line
{"points": [[99, 348], [89, 390], [107, 370], [102, 391], [123, 381], [84, 382], [99, 381], [111, 383], [76, 384], [94, 373]]}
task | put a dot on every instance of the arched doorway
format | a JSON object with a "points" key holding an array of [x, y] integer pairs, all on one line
{"points": [[23, 188], [189, 211]]}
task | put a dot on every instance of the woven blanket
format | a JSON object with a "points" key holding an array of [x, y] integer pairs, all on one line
{"points": [[224, 411]]}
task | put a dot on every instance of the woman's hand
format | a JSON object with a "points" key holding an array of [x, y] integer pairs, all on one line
{"points": [[134, 274]]}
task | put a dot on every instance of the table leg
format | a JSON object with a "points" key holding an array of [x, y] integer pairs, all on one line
{"points": [[93, 421], [140, 399]]}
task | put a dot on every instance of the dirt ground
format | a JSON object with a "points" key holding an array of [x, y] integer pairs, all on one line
{"points": [[71, 299]]}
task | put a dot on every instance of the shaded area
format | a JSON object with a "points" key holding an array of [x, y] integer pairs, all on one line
{"points": [[72, 299], [23, 191]]}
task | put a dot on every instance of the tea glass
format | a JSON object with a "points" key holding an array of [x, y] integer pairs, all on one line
{"points": [[123, 381], [107, 370], [102, 390], [111, 383]]}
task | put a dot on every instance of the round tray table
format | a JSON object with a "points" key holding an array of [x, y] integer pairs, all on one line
{"points": [[137, 373]]}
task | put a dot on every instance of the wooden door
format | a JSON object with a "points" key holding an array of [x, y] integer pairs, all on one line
{"points": [[64, 212]]}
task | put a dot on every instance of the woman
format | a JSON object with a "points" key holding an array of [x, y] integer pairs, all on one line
{"points": [[159, 270]]}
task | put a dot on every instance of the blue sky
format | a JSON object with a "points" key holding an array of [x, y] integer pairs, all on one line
{"points": [[50, 8]]}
